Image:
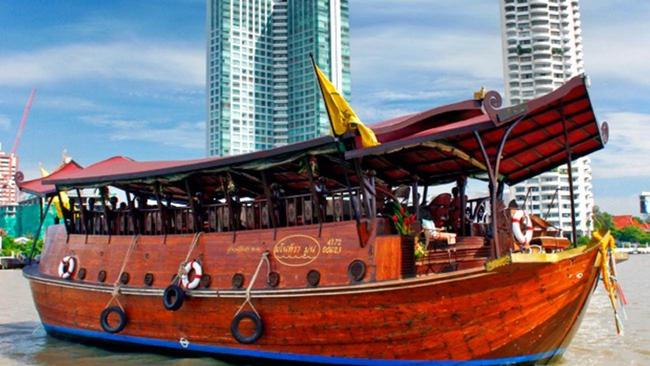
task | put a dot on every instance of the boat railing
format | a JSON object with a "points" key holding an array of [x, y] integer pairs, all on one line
{"points": [[245, 214]]}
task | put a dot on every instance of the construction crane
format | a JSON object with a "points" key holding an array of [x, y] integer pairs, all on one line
{"points": [[18, 177]]}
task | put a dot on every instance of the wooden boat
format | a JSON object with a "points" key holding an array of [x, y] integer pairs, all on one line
{"points": [[293, 255]]}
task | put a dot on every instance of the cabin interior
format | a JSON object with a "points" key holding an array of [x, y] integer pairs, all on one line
{"points": [[449, 231]]}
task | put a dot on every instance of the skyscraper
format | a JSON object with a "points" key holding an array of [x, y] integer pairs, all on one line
{"points": [[261, 90], [8, 189], [542, 48]]}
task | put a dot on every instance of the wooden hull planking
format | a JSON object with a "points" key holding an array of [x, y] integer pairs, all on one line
{"points": [[520, 313]]}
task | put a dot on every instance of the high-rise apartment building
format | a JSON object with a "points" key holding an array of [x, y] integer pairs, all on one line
{"points": [[542, 48], [261, 89], [8, 189]]}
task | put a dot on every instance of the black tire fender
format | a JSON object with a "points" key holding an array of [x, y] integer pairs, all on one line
{"points": [[173, 297], [259, 327], [103, 319]]}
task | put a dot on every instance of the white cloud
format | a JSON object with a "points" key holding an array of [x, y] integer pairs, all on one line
{"points": [[66, 102], [185, 134], [618, 51], [139, 61], [619, 205], [188, 135], [5, 122], [415, 68], [392, 52], [627, 153], [438, 11]]}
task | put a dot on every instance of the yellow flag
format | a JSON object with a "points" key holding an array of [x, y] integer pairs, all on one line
{"points": [[341, 114], [55, 201]]}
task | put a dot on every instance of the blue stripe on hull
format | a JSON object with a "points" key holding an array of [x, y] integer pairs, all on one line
{"points": [[288, 357]]}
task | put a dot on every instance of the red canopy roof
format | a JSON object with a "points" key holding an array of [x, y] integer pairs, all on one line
{"points": [[535, 144], [404, 126], [437, 145], [38, 188], [120, 168]]}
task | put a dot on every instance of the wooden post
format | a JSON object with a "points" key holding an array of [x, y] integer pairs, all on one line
{"points": [[68, 215], [106, 210], [82, 212], [314, 196], [416, 199], [270, 205], [195, 215], [462, 187], [161, 208], [362, 187], [424, 195], [312, 188], [38, 232], [131, 207], [355, 207], [493, 195], [574, 233], [231, 221]]}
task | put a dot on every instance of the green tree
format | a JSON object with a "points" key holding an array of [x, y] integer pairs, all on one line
{"points": [[10, 246], [602, 220], [583, 240], [632, 234]]}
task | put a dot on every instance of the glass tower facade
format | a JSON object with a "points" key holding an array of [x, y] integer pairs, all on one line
{"points": [[261, 89]]}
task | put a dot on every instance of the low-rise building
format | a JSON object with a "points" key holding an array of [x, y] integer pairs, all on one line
{"points": [[622, 221]]}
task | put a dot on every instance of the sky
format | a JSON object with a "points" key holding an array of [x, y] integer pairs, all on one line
{"points": [[127, 77]]}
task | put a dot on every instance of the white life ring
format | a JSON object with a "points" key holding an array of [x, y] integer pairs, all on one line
{"points": [[66, 267], [198, 272], [517, 217]]}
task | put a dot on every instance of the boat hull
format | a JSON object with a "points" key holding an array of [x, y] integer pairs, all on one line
{"points": [[518, 313]]}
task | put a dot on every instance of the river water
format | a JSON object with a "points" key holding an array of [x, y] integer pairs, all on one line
{"points": [[24, 342]]}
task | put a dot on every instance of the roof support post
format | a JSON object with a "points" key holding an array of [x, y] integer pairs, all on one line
{"points": [[82, 212], [195, 215], [416, 199], [68, 214], [231, 211], [365, 183], [493, 171], [270, 205], [40, 206], [493, 174], [362, 187], [161, 208], [493, 195], [424, 195], [314, 196], [40, 226], [574, 233], [462, 187], [103, 192], [355, 207], [132, 214]]}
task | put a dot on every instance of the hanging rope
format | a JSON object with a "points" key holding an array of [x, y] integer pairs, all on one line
{"points": [[181, 266], [263, 259], [116, 285], [607, 247]]}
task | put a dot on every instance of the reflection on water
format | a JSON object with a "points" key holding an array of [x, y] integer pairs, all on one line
{"points": [[24, 342]]}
